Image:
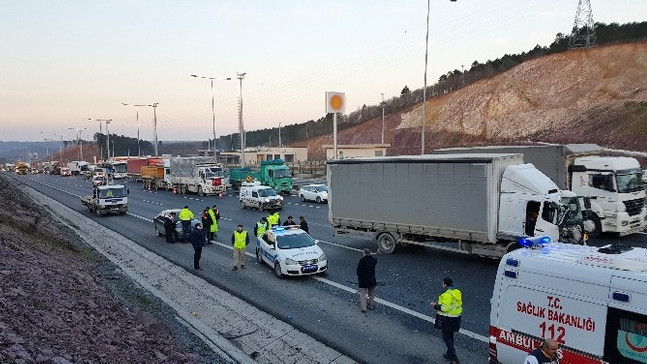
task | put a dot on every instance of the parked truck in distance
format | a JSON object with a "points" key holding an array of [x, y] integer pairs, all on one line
{"points": [[117, 169], [134, 165], [107, 199], [485, 204], [613, 183], [201, 175], [274, 173], [156, 177], [78, 167], [22, 168]]}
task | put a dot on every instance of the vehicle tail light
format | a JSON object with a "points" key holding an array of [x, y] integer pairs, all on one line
{"points": [[494, 333], [216, 181]]}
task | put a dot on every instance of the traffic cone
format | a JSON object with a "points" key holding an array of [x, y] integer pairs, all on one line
{"points": [[174, 190], [220, 195]]}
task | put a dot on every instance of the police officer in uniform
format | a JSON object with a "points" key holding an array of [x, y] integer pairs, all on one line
{"points": [[239, 239], [448, 319], [274, 219], [185, 217], [261, 227]]}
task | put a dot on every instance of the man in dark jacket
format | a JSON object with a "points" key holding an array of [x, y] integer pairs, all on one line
{"points": [[169, 227], [366, 280], [197, 240], [303, 224]]}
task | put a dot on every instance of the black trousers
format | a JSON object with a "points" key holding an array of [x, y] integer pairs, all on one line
{"points": [[197, 254], [169, 235]]}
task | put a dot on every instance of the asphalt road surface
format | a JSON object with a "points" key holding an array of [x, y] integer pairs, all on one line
{"points": [[398, 330]]}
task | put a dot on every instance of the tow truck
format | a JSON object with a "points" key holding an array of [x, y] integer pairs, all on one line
{"points": [[107, 199]]}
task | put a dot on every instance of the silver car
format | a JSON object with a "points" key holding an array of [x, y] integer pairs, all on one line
{"points": [[318, 193], [158, 222]]}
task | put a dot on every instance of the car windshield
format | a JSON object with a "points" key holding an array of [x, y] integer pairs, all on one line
{"points": [[321, 188], [281, 173], [294, 241], [266, 192], [629, 181], [112, 192]]}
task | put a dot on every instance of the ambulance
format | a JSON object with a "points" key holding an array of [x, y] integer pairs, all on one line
{"points": [[592, 300]]}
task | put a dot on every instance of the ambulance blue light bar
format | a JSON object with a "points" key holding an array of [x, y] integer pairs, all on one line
{"points": [[534, 241]]}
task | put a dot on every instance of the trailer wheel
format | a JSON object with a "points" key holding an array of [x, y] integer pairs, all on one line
{"points": [[386, 243], [200, 192], [597, 230]]}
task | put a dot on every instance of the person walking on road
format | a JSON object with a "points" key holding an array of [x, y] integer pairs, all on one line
{"points": [[366, 280], [206, 225], [303, 224], [185, 217], [215, 216], [289, 222], [261, 227], [197, 240], [239, 239], [449, 309], [169, 227], [547, 353], [274, 219]]}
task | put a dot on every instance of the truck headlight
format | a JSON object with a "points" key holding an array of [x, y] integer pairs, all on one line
{"points": [[290, 261], [281, 198], [323, 257], [266, 200]]}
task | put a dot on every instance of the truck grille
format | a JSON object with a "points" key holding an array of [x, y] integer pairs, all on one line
{"points": [[634, 206], [309, 262]]}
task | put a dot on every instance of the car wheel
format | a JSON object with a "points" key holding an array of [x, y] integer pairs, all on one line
{"points": [[386, 243], [277, 270], [318, 199], [157, 232], [261, 208], [242, 205], [258, 256], [303, 198]]}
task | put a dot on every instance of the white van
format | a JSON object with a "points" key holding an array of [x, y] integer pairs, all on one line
{"points": [[592, 300], [255, 195]]}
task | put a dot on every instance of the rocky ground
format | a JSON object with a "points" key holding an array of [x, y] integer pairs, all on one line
{"points": [[61, 302]]}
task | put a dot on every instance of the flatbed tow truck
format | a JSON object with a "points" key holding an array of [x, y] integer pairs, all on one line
{"points": [[107, 199]]}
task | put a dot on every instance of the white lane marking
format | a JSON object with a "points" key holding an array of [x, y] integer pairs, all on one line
{"points": [[394, 306]]}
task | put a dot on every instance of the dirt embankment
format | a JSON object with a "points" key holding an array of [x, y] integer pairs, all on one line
{"points": [[58, 298], [595, 95]]}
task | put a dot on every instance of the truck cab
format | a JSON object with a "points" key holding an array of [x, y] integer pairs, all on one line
{"points": [[107, 199], [617, 192], [277, 175]]}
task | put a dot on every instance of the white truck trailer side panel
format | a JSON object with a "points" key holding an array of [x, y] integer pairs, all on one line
{"points": [[437, 195]]}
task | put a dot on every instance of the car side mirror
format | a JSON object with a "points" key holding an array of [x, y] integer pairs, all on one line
{"points": [[316, 241]]}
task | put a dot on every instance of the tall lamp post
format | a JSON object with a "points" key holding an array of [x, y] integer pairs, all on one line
{"points": [[139, 148], [280, 144], [79, 141], [107, 121], [424, 89], [213, 105], [241, 126], [382, 117]]}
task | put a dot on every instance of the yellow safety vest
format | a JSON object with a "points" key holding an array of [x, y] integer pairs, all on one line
{"points": [[451, 303], [273, 219], [185, 215], [261, 228], [214, 223], [240, 239]]}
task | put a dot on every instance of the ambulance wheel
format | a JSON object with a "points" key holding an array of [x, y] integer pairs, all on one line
{"points": [[277, 270], [386, 243], [597, 230], [258, 256]]}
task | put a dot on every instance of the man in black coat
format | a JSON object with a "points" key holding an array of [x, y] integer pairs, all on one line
{"points": [[303, 224], [169, 227], [197, 240], [366, 280]]}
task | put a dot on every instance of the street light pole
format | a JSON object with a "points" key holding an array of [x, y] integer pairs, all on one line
{"points": [[155, 125], [280, 144], [100, 131], [139, 148], [241, 125], [382, 117], [108, 139], [424, 89], [213, 106]]}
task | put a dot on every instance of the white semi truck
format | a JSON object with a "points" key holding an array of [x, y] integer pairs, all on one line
{"points": [[471, 203], [201, 175], [613, 183]]}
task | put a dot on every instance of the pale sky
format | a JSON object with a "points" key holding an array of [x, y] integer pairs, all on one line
{"points": [[65, 61]]}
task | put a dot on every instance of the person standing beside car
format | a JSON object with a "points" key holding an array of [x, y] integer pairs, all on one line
{"points": [[274, 219], [239, 239], [185, 217], [215, 216], [261, 227], [169, 227], [206, 225], [289, 221], [449, 309], [197, 241], [303, 224], [366, 280]]}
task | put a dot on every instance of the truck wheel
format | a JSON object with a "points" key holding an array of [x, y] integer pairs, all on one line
{"points": [[200, 192], [597, 230], [386, 243], [277, 270]]}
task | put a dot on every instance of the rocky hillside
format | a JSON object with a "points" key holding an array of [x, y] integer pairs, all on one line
{"points": [[593, 95]]}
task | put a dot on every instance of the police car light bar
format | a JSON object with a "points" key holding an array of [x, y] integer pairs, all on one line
{"points": [[534, 241]]}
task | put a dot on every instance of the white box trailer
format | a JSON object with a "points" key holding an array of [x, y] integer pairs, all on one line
{"points": [[484, 203], [201, 175]]}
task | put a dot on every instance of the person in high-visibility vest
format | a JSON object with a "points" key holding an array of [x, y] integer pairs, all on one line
{"points": [[274, 219], [185, 216], [261, 227], [449, 309], [213, 228], [239, 239]]}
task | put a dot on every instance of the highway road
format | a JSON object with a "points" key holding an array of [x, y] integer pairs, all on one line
{"points": [[398, 330]]}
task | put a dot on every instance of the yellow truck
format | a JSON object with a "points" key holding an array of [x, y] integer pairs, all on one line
{"points": [[22, 168]]}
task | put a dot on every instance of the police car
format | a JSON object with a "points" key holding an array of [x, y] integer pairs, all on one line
{"points": [[290, 251]]}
